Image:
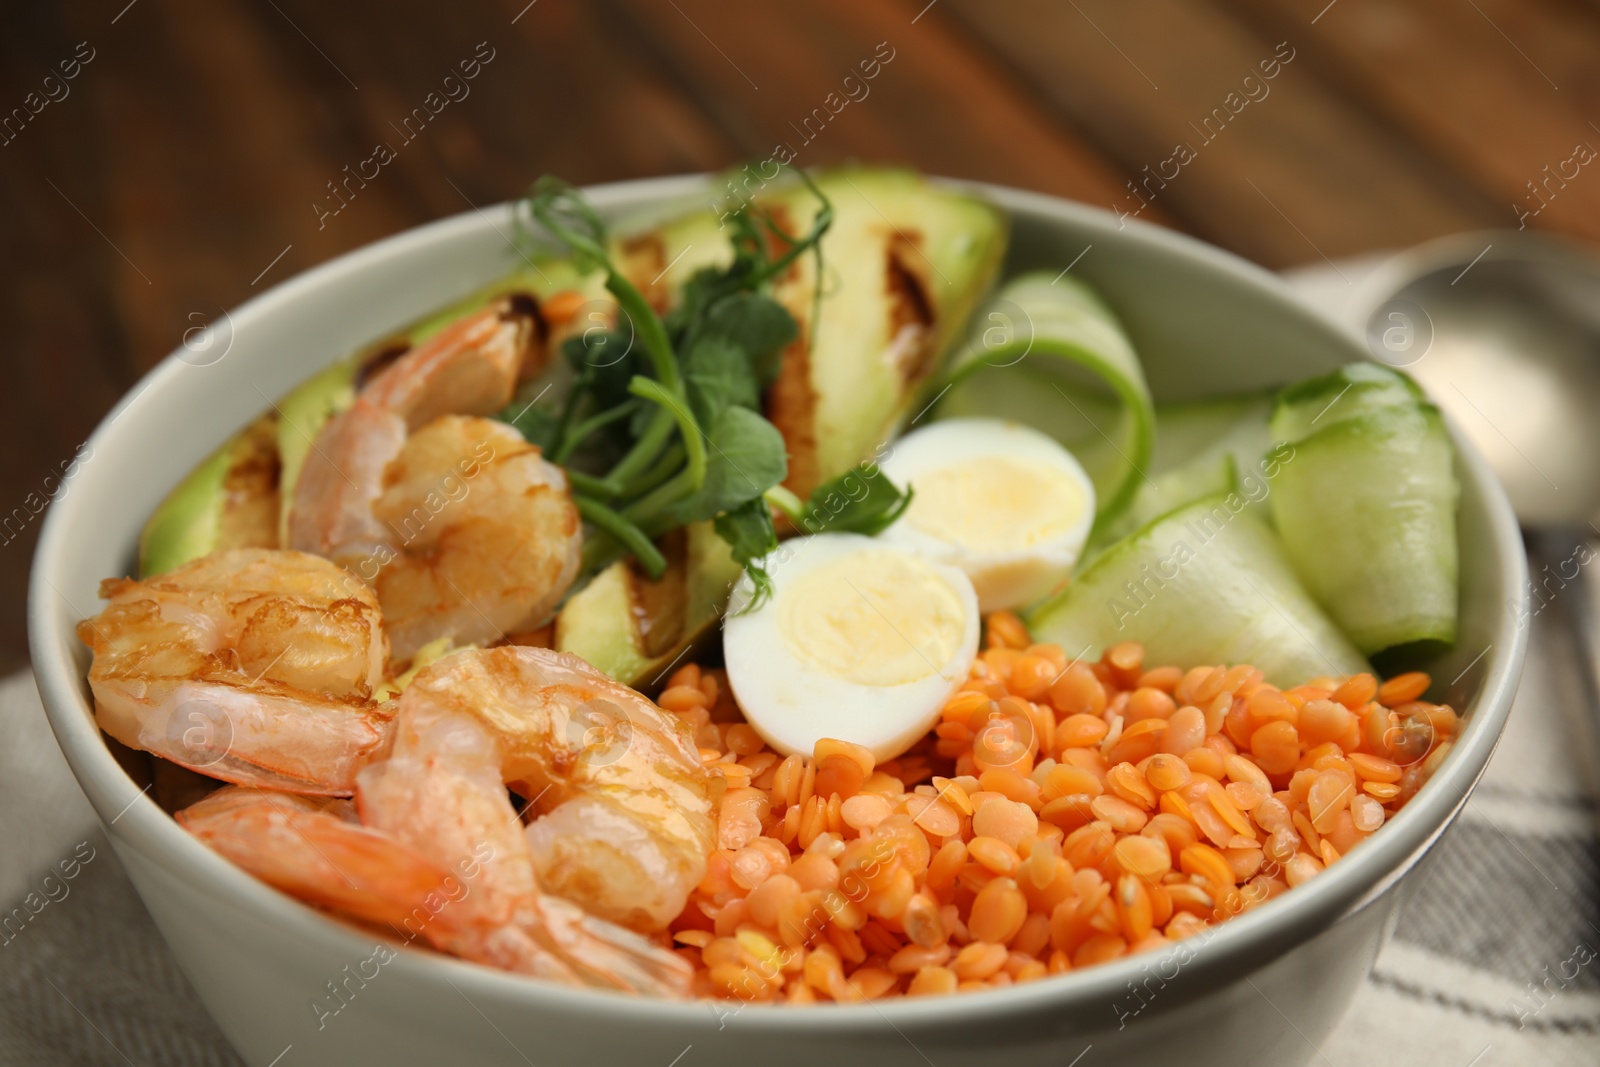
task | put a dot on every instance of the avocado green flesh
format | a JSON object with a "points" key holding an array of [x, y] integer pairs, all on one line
{"points": [[600, 622], [185, 525], [889, 225]]}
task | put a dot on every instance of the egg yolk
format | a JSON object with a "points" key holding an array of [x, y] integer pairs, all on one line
{"points": [[995, 504], [872, 618]]}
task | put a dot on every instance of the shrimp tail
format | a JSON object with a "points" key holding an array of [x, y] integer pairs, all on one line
{"points": [[310, 849], [605, 954]]}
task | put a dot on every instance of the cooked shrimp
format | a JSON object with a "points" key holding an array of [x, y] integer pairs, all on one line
{"points": [[463, 528], [486, 537], [315, 850], [455, 869], [343, 474], [626, 809], [252, 665], [440, 795], [471, 367]]}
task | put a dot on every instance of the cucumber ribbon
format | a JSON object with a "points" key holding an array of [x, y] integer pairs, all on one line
{"points": [[1367, 509], [1205, 583]]}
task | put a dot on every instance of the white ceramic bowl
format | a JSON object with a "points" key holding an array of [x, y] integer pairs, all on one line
{"points": [[1261, 989]]}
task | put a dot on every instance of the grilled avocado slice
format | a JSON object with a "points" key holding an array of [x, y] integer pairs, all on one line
{"points": [[903, 266], [635, 629], [228, 501]]}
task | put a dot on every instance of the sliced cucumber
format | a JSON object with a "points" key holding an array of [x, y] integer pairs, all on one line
{"points": [[1351, 392], [1053, 356], [1203, 429], [1366, 508], [1207, 583], [1205, 476], [1202, 447]]}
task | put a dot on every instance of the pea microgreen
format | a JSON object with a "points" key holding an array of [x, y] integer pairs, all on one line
{"points": [[661, 425]]}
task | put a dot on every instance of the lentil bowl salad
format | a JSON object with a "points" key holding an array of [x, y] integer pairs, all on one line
{"points": [[1019, 795]]}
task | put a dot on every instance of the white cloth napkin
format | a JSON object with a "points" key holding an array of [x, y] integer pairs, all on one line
{"points": [[84, 976]]}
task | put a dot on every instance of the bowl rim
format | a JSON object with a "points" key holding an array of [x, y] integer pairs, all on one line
{"points": [[1239, 946]]}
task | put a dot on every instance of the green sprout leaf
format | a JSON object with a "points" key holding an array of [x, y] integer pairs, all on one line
{"points": [[719, 375], [745, 457], [861, 500], [749, 533], [759, 325], [661, 425]]}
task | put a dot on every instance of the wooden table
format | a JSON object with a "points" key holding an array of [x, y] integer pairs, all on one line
{"points": [[189, 161]]}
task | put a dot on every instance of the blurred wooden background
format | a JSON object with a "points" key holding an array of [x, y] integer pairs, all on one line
{"points": [[181, 168]]}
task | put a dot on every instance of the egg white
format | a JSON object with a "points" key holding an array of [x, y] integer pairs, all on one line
{"points": [[860, 641], [1005, 503]]}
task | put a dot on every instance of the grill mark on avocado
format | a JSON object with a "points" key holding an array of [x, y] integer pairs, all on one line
{"points": [[911, 312], [781, 243], [643, 261], [792, 408], [250, 505], [791, 401]]}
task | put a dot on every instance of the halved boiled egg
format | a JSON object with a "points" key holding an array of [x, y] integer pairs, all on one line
{"points": [[859, 641], [1003, 502]]}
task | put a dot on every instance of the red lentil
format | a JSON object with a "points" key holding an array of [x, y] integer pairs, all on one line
{"points": [[1061, 814]]}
